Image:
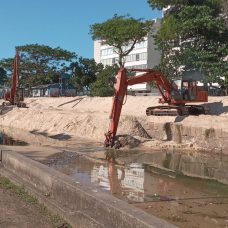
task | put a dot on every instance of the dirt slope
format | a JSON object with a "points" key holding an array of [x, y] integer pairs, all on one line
{"points": [[89, 116]]}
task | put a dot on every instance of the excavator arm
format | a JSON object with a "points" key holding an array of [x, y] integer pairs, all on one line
{"points": [[10, 96], [15, 96], [118, 99], [122, 81], [15, 78], [151, 75]]}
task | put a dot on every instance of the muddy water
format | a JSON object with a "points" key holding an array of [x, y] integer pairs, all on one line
{"points": [[152, 181], [194, 164], [9, 141], [187, 202]]}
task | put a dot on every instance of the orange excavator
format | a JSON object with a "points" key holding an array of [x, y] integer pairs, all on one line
{"points": [[175, 94], [15, 96]]}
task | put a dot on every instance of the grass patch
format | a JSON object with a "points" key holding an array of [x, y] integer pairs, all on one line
{"points": [[56, 220]]}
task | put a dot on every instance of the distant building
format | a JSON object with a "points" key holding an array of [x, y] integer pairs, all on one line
{"points": [[52, 90], [144, 55]]}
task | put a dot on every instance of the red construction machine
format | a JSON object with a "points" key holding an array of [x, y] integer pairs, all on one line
{"points": [[175, 94], [15, 96]]}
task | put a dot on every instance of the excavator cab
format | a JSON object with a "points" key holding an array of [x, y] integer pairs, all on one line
{"points": [[176, 89], [187, 91]]}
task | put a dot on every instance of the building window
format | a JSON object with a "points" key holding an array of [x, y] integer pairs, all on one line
{"points": [[137, 57], [142, 44], [103, 52], [142, 66], [107, 51], [128, 58], [143, 56]]}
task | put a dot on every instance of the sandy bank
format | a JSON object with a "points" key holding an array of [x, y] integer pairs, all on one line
{"points": [[89, 116]]}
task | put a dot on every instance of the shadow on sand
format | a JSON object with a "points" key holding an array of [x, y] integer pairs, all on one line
{"points": [[61, 136], [215, 109], [5, 109]]}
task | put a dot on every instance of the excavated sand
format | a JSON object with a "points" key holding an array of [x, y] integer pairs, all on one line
{"points": [[89, 116]]}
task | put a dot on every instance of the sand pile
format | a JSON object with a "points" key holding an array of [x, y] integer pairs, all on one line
{"points": [[89, 116]]}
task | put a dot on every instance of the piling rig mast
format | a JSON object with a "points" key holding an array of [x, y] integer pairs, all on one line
{"points": [[176, 104]]}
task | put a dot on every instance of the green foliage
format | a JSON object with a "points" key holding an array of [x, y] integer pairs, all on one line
{"points": [[160, 4], [225, 11], [40, 64], [122, 33], [169, 29], [103, 86], [3, 77], [84, 73], [56, 220], [200, 21], [198, 41]]}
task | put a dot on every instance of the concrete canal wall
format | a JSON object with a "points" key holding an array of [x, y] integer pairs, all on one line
{"points": [[81, 206], [205, 137]]}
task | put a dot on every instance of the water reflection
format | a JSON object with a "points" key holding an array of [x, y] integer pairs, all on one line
{"points": [[210, 166], [6, 140], [182, 200], [128, 182], [135, 184]]}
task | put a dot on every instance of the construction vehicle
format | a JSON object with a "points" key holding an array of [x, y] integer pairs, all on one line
{"points": [[176, 96], [16, 94]]}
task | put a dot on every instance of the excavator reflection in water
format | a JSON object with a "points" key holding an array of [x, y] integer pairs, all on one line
{"points": [[176, 96], [131, 183]]}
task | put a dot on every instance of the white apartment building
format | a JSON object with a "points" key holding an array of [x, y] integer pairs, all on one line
{"points": [[144, 55]]}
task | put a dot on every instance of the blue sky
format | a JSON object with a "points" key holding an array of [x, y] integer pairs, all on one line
{"points": [[63, 23]]}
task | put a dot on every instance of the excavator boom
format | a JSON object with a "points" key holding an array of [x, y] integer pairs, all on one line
{"points": [[15, 77], [118, 99]]}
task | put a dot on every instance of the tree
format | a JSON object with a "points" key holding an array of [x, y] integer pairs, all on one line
{"points": [[84, 73], [122, 33], [40, 64], [3, 77], [192, 36], [103, 86]]}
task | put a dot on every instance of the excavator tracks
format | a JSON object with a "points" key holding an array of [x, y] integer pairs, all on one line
{"points": [[171, 110], [162, 111]]}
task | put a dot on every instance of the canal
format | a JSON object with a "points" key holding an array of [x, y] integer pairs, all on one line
{"points": [[188, 189]]}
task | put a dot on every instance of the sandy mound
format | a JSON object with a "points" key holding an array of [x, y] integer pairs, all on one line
{"points": [[130, 125], [89, 116]]}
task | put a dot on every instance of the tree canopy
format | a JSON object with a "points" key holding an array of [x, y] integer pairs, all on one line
{"points": [[104, 85], [193, 35], [3, 77], [40, 64], [121, 32], [84, 72]]}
